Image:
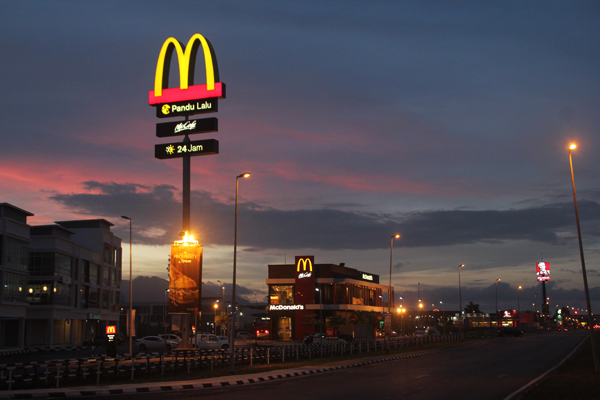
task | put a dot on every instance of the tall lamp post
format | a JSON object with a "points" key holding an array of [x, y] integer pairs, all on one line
{"points": [[443, 316], [518, 307], [233, 310], [397, 236], [583, 271], [129, 328], [460, 310], [497, 320]]}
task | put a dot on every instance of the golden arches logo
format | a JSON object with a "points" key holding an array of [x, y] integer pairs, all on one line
{"points": [[187, 62], [304, 262]]}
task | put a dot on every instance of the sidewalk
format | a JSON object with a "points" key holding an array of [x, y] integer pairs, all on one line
{"points": [[222, 381]]}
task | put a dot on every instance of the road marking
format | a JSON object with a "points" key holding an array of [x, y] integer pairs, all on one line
{"points": [[510, 396]]}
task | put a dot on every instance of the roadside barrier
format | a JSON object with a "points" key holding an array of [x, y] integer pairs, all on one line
{"points": [[75, 372]]}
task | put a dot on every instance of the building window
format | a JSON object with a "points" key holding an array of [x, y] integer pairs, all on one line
{"points": [[105, 298], [84, 294], [17, 253], [107, 255], [94, 273], [93, 298], [15, 287], [85, 271], [105, 276], [61, 294], [50, 264], [281, 294]]}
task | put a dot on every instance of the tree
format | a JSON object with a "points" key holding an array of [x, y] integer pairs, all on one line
{"points": [[472, 308]]}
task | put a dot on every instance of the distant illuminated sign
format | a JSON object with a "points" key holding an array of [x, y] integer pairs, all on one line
{"points": [[304, 262], [280, 307], [192, 148], [178, 128], [304, 287], [367, 277], [543, 271], [187, 63], [111, 329]]}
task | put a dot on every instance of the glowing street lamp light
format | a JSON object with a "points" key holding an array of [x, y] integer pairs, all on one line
{"points": [[583, 271], [233, 309]]}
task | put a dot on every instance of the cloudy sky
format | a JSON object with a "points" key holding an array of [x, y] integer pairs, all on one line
{"points": [[446, 122]]}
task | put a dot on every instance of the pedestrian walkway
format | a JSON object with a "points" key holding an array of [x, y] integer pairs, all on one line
{"points": [[221, 381]]}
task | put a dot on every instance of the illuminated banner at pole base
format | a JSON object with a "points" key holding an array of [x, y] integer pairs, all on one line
{"points": [[203, 125], [183, 108], [193, 148]]}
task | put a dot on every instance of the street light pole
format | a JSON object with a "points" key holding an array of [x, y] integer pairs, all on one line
{"points": [[460, 310], [583, 271], [497, 320], [129, 328], [233, 310], [390, 297], [518, 308], [443, 316]]}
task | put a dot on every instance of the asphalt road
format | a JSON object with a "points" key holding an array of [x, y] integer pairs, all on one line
{"points": [[491, 370]]}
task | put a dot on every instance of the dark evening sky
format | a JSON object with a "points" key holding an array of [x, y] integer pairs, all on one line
{"points": [[446, 122]]}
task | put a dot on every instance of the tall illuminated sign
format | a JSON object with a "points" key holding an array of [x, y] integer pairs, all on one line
{"points": [[305, 280], [543, 271], [187, 64], [185, 274]]}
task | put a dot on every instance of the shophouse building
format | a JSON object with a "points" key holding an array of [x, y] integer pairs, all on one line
{"points": [[60, 282], [14, 272], [305, 292]]}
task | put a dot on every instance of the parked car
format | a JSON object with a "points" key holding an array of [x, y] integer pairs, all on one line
{"points": [[419, 333], [170, 336], [320, 338], [155, 343], [262, 333], [241, 335], [510, 332], [210, 342]]}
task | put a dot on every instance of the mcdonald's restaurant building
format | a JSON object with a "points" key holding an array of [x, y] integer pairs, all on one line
{"points": [[305, 292]]}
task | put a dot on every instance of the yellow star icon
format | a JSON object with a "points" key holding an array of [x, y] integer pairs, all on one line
{"points": [[170, 149]]}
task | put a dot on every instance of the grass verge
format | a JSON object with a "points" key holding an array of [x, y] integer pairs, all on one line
{"points": [[575, 379]]}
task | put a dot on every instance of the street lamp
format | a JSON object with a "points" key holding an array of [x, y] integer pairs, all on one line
{"points": [[396, 236], [401, 310], [129, 328], [497, 320], [233, 310], [460, 310], [216, 306], [583, 271], [320, 309], [443, 317], [518, 307]]}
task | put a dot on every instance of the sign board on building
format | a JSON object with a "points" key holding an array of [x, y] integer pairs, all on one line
{"points": [[305, 280]]}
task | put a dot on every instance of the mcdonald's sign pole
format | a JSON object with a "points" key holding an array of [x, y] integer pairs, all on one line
{"points": [[188, 99]]}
